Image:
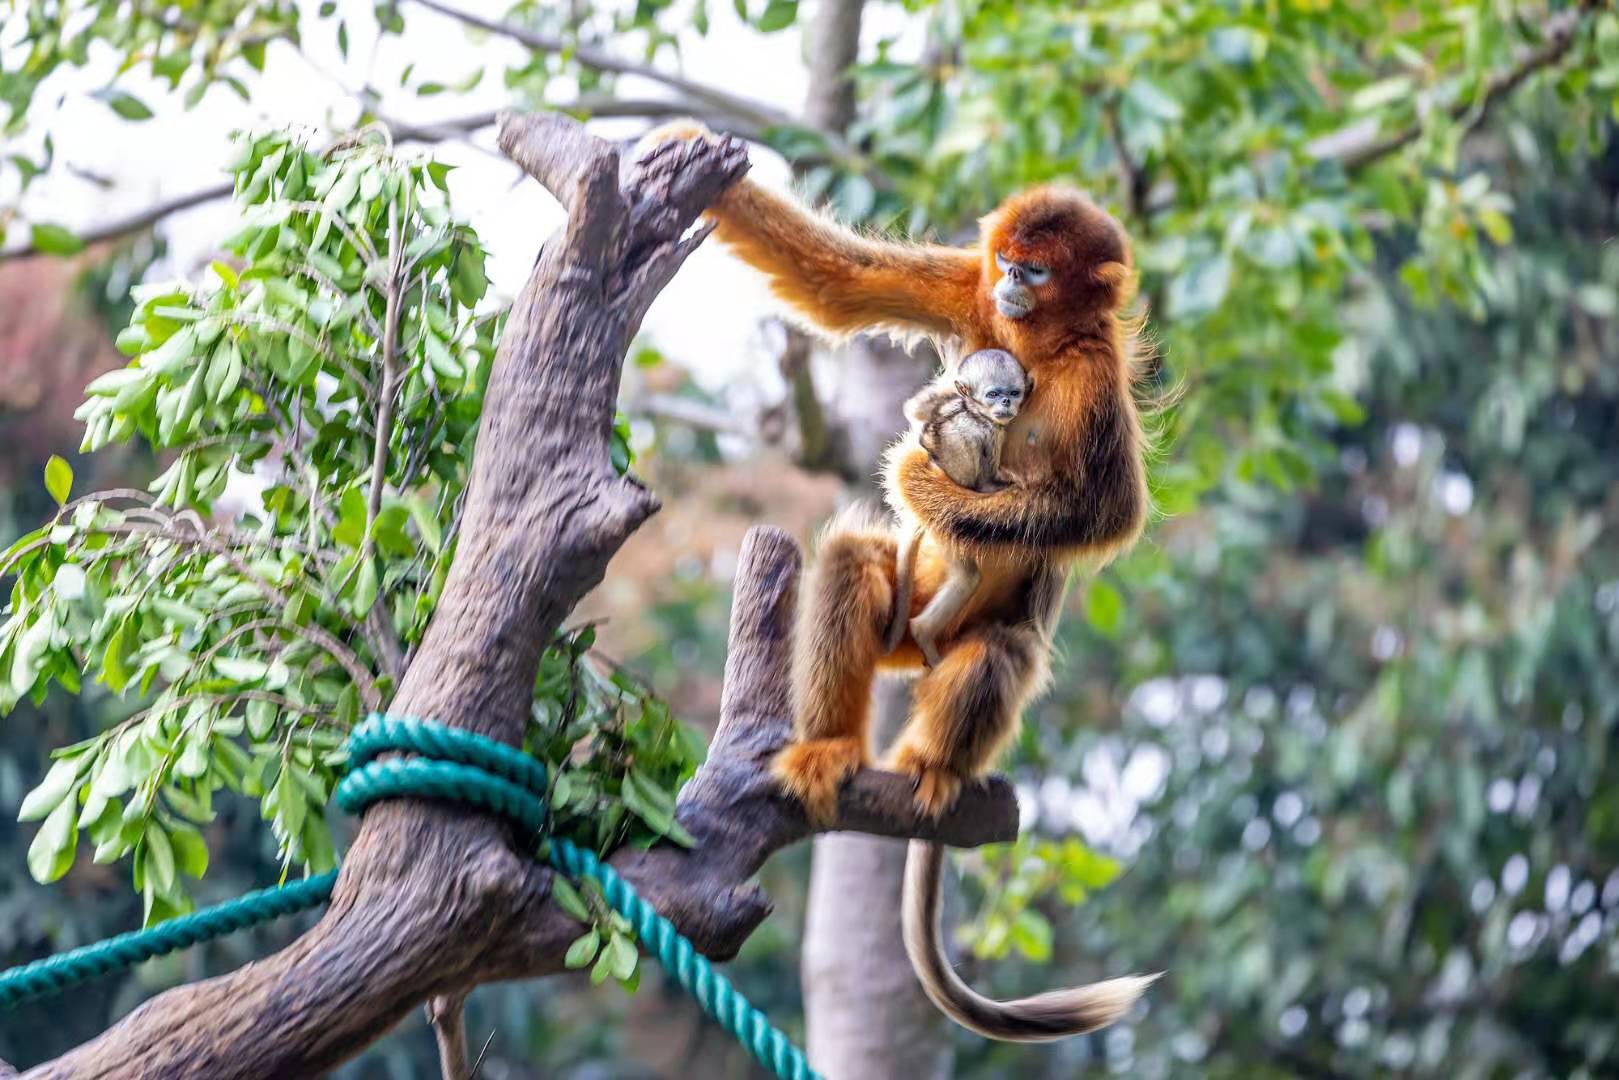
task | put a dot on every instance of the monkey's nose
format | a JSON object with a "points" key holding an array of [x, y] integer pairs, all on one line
{"points": [[1015, 272]]}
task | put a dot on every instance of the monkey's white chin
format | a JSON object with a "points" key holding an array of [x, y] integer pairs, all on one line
{"points": [[1011, 308]]}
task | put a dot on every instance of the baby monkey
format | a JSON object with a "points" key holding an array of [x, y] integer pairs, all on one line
{"points": [[961, 421]]}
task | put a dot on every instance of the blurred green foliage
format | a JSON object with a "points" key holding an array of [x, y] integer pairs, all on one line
{"points": [[1365, 785]]}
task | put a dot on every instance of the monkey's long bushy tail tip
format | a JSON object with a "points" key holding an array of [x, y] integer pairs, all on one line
{"points": [[1088, 1008], [1056, 1014]]}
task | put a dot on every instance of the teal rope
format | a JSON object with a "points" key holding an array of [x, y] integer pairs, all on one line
{"points": [[690, 968], [456, 766], [57, 973]]}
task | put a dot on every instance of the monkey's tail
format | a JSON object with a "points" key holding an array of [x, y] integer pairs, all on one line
{"points": [[1053, 1015]]}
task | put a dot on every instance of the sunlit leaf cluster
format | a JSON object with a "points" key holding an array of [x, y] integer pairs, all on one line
{"points": [[315, 402]]}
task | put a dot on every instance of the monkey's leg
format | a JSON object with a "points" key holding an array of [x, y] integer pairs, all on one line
{"points": [[842, 615], [904, 586], [966, 710], [961, 581]]}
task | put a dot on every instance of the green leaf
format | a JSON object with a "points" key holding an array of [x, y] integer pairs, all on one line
{"points": [[568, 899], [159, 857], [777, 15], [124, 104], [624, 956], [132, 340], [1496, 225], [261, 716], [421, 512], [389, 532], [1031, 934], [439, 357], [365, 586], [289, 802], [657, 816], [51, 853], [583, 950], [28, 656], [1348, 411], [193, 760], [190, 851], [241, 669], [53, 789], [1104, 607], [1382, 92], [351, 515], [51, 239], [58, 479], [603, 968]]}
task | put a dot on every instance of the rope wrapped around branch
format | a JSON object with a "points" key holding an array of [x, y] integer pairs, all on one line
{"points": [[453, 765]]}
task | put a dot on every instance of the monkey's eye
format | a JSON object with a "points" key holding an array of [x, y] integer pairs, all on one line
{"points": [[1036, 274], [1002, 263]]}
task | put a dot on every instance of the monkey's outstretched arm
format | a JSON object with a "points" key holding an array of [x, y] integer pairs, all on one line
{"points": [[838, 280], [1070, 511]]}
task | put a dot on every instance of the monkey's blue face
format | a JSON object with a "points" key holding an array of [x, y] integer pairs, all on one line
{"points": [[1015, 295]]}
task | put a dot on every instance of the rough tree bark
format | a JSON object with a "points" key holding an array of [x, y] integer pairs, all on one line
{"points": [[433, 899]]}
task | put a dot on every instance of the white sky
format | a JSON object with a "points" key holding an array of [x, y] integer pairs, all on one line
{"points": [[706, 320]]}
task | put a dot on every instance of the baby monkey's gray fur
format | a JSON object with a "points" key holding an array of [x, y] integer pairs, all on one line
{"points": [[961, 420]]}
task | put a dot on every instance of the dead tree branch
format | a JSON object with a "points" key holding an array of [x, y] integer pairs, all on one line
{"points": [[434, 900], [447, 1014]]}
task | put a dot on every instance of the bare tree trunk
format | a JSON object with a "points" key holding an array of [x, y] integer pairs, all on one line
{"points": [[867, 1014]]}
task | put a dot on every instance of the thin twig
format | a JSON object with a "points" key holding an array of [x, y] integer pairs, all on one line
{"points": [[598, 60], [390, 373], [1355, 147], [378, 630], [329, 643], [135, 222], [688, 412], [487, 1043]]}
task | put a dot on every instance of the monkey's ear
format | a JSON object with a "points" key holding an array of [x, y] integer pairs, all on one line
{"points": [[1111, 273], [963, 389], [1117, 278], [1028, 383]]}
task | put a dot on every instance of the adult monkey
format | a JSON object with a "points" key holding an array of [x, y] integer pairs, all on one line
{"points": [[1047, 283]]}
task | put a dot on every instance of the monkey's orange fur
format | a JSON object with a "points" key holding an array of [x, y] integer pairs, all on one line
{"points": [[1077, 445]]}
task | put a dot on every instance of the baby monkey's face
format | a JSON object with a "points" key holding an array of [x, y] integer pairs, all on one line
{"points": [[995, 383], [1001, 401]]}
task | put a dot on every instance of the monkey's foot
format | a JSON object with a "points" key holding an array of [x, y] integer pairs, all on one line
{"points": [[937, 788], [813, 770]]}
